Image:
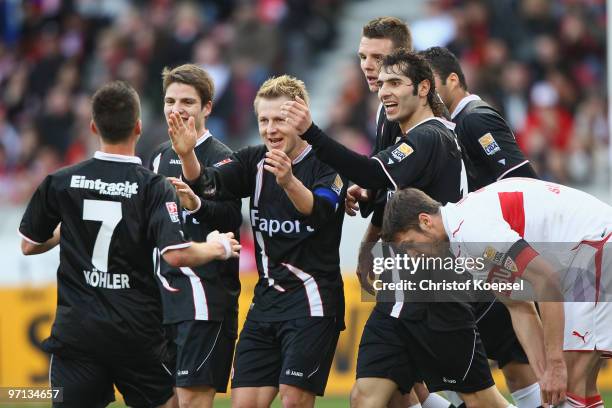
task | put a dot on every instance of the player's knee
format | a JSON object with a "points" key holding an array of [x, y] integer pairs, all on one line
{"points": [[293, 397], [361, 399], [200, 398]]}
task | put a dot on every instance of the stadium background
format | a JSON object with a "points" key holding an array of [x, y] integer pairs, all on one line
{"points": [[542, 62]]}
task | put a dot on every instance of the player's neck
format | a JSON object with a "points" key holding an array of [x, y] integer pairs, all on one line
{"points": [[458, 96], [423, 113], [297, 150], [125, 149]]}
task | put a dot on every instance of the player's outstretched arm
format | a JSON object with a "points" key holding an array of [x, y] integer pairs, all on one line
{"points": [[358, 168], [217, 247], [31, 248], [528, 328], [184, 137], [547, 287]]}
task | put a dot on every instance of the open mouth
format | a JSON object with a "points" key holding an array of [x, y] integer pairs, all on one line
{"points": [[390, 107], [275, 142]]}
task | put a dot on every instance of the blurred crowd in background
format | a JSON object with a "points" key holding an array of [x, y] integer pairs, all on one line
{"points": [[55, 53], [541, 62]]}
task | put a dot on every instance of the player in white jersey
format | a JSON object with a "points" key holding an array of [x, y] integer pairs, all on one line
{"points": [[510, 224]]}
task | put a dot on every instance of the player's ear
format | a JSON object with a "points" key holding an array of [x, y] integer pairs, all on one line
{"points": [[425, 221], [207, 108], [138, 127], [424, 87], [93, 128], [453, 80]]}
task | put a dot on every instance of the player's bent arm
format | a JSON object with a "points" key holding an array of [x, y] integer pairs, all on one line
{"points": [[301, 197], [31, 248], [528, 328], [525, 170], [199, 253], [360, 169]]}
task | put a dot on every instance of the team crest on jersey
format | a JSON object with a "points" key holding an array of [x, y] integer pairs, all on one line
{"points": [[222, 162], [492, 255], [172, 211], [510, 265], [489, 144], [338, 184], [401, 152]]}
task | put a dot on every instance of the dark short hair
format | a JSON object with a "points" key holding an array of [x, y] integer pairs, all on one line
{"points": [[193, 75], [390, 28], [403, 209], [115, 109], [415, 67], [444, 63]]}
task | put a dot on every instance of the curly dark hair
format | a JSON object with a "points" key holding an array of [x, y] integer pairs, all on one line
{"points": [[415, 67]]}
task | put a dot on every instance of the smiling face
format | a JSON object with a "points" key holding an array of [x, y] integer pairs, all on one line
{"points": [[371, 52], [185, 100], [396, 92], [275, 132]]}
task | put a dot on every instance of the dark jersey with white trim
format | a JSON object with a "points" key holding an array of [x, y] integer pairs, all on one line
{"points": [[428, 158], [209, 291], [297, 256], [387, 134], [489, 145], [113, 212]]}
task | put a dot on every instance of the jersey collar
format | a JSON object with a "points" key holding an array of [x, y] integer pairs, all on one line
{"points": [[301, 156], [117, 157], [203, 138], [464, 102], [446, 123]]}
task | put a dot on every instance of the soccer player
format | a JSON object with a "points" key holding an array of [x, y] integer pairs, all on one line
{"points": [[113, 213], [492, 154], [522, 217], [487, 138], [426, 155], [200, 304], [289, 338]]}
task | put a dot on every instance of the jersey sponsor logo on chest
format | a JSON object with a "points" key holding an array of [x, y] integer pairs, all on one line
{"points": [[273, 226], [124, 189], [489, 144]]}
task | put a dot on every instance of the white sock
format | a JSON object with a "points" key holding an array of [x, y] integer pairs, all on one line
{"points": [[528, 397], [435, 401], [454, 398]]}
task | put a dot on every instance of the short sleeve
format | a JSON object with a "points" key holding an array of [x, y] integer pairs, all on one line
{"points": [[42, 215], [164, 228]]}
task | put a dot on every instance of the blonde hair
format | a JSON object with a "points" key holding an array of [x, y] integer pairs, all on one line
{"points": [[284, 85]]}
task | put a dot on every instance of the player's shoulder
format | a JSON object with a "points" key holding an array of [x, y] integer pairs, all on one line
{"points": [[162, 148], [478, 113], [430, 132]]}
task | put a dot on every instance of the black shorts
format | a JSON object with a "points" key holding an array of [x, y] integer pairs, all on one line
{"points": [[204, 352], [409, 351], [497, 334], [89, 382], [296, 352]]}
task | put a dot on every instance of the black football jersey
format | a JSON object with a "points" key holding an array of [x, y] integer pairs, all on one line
{"points": [[209, 291], [113, 212], [297, 256], [489, 144]]}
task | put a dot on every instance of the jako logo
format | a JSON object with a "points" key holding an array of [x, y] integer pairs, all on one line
{"points": [[449, 381], [294, 373]]}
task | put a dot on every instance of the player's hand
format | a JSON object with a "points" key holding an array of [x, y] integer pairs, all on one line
{"points": [[554, 382], [297, 114], [183, 135], [365, 267], [231, 247], [187, 197], [354, 194], [278, 163]]}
